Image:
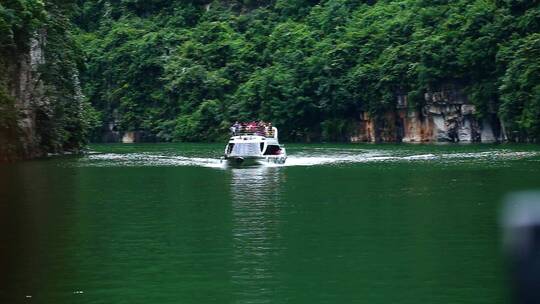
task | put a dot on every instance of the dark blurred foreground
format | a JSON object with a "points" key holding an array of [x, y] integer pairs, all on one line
{"points": [[521, 223]]}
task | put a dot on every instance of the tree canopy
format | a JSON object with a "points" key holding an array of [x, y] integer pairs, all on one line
{"points": [[183, 70], [60, 117]]}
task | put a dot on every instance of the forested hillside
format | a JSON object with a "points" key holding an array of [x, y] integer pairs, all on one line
{"points": [[184, 70], [41, 105]]}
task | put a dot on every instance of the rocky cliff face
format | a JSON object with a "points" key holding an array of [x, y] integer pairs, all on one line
{"points": [[41, 104], [25, 92], [446, 116]]}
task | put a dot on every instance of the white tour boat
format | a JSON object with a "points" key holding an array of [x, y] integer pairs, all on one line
{"points": [[253, 144]]}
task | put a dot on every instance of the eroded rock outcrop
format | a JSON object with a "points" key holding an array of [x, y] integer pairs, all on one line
{"points": [[25, 98], [446, 116], [41, 102]]}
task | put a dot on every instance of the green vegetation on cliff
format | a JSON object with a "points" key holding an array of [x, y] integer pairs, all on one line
{"points": [[41, 106], [183, 70]]}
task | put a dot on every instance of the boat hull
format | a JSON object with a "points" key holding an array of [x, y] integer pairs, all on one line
{"points": [[254, 160]]}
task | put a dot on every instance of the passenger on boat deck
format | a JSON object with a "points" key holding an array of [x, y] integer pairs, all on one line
{"points": [[236, 127], [252, 126], [268, 129], [261, 129]]}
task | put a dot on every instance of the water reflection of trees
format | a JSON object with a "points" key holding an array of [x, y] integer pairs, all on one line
{"points": [[256, 198]]}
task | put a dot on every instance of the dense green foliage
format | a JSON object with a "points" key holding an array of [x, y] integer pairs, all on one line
{"points": [[183, 70], [61, 118], [18, 19]]}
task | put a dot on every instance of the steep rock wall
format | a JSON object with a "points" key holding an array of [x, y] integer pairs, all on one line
{"points": [[25, 96], [41, 103], [446, 116]]}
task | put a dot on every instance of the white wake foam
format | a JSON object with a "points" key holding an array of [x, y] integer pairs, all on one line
{"points": [[308, 157], [148, 159]]}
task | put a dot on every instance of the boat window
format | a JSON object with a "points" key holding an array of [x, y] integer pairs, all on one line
{"points": [[272, 150], [246, 149], [262, 146], [229, 148]]}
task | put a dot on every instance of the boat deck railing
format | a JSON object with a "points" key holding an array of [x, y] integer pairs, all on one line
{"points": [[269, 133]]}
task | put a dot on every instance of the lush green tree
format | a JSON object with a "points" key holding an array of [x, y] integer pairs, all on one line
{"points": [[520, 88], [182, 70], [62, 117]]}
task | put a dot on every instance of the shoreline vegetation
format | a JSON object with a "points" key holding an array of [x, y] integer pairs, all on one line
{"points": [[332, 70]]}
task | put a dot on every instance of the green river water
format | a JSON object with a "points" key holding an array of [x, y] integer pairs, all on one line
{"points": [[167, 223]]}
